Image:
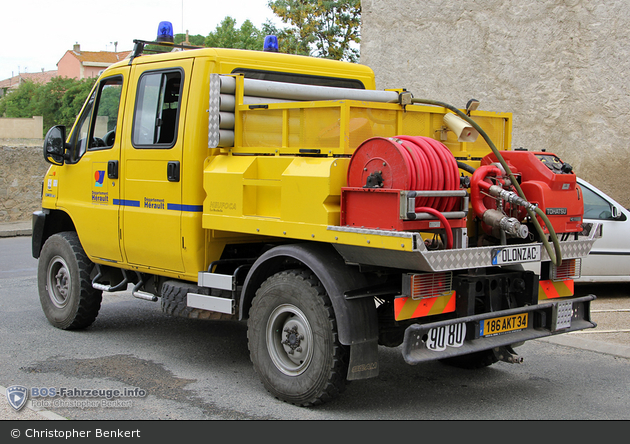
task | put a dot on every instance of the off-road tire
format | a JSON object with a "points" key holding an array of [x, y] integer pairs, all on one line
{"points": [[63, 280], [292, 306], [472, 361], [174, 302]]}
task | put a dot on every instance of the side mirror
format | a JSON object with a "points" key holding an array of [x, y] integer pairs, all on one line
{"points": [[55, 145]]}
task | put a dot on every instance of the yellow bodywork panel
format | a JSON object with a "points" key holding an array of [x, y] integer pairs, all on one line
{"points": [[288, 189], [337, 128], [284, 174], [282, 197]]}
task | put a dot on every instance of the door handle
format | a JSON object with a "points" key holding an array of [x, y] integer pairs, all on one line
{"points": [[172, 171], [112, 169]]}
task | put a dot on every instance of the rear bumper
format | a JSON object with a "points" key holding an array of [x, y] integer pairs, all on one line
{"points": [[543, 318]]}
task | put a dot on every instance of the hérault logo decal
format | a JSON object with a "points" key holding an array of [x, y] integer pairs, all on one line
{"points": [[99, 178], [100, 192], [17, 396]]}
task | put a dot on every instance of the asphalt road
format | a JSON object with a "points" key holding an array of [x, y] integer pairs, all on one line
{"points": [[199, 370]]}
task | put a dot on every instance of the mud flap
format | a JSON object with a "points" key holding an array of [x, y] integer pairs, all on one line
{"points": [[363, 361]]}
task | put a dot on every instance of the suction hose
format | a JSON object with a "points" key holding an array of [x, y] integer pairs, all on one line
{"points": [[554, 252]]}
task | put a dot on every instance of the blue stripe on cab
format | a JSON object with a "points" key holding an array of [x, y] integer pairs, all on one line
{"points": [[182, 207], [127, 203]]}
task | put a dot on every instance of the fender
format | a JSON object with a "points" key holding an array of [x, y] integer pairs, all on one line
{"points": [[46, 223], [357, 323], [37, 240]]}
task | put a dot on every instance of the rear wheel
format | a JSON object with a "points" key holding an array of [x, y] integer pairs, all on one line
{"points": [[293, 340], [65, 289]]}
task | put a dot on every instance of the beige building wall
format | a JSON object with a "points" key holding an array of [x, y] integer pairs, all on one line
{"points": [[21, 128], [562, 67]]}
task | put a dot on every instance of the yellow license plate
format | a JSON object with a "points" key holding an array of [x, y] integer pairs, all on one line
{"points": [[495, 326]]}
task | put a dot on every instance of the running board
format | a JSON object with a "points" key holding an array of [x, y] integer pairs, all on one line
{"points": [[211, 303]]}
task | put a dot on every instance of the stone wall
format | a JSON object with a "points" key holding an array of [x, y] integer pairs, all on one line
{"points": [[22, 169], [562, 67]]}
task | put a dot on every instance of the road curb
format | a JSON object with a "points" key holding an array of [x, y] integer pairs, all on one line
{"points": [[607, 348], [15, 233], [13, 229]]}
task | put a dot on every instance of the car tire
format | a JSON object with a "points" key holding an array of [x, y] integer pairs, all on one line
{"points": [[293, 341], [65, 289]]}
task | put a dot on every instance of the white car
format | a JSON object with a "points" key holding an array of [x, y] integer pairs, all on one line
{"points": [[609, 259]]}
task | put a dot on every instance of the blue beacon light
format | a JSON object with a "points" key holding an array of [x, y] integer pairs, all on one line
{"points": [[165, 32], [271, 44]]}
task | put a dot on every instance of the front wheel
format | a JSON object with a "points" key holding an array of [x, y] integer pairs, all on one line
{"points": [[63, 279], [293, 340]]}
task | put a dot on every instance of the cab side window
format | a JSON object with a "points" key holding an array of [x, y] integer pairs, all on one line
{"points": [[157, 110], [79, 139], [106, 115], [96, 127]]}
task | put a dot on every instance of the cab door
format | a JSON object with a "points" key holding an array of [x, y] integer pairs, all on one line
{"points": [[89, 184], [151, 159]]}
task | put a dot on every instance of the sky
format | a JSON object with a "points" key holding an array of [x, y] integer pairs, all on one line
{"points": [[43, 30]]}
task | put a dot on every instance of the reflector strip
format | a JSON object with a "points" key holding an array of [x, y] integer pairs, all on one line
{"points": [[429, 285], [569, 269], [408, 308], [557, 289]]}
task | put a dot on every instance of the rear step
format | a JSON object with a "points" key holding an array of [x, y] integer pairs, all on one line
{"points": [[214, 303], [122, 285]]}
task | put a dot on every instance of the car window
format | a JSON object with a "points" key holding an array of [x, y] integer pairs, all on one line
{"points": [[157, 110], [79, 138], [98, 132], [595, 206], [106, 112]]}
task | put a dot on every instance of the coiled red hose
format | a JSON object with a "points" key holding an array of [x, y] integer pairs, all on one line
{"points": [[411, 163], [433, 167]]}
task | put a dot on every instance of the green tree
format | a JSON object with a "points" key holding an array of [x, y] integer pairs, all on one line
{"points": [[58, 101], [194, 40], [227, 35], [19, 102], [48, 99], [323, 28], [73, 101]]}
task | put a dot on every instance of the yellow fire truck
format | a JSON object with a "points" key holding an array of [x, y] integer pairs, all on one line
{"points": [[285, 191]]}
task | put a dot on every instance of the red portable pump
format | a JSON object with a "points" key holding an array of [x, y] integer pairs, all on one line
{"points": [[546, 181]]}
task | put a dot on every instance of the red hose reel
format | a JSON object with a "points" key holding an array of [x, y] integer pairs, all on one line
{"points": [[381, 168]]}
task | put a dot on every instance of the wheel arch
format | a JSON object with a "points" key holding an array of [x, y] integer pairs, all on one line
{"points": [[356, 319], [46, 223]]}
